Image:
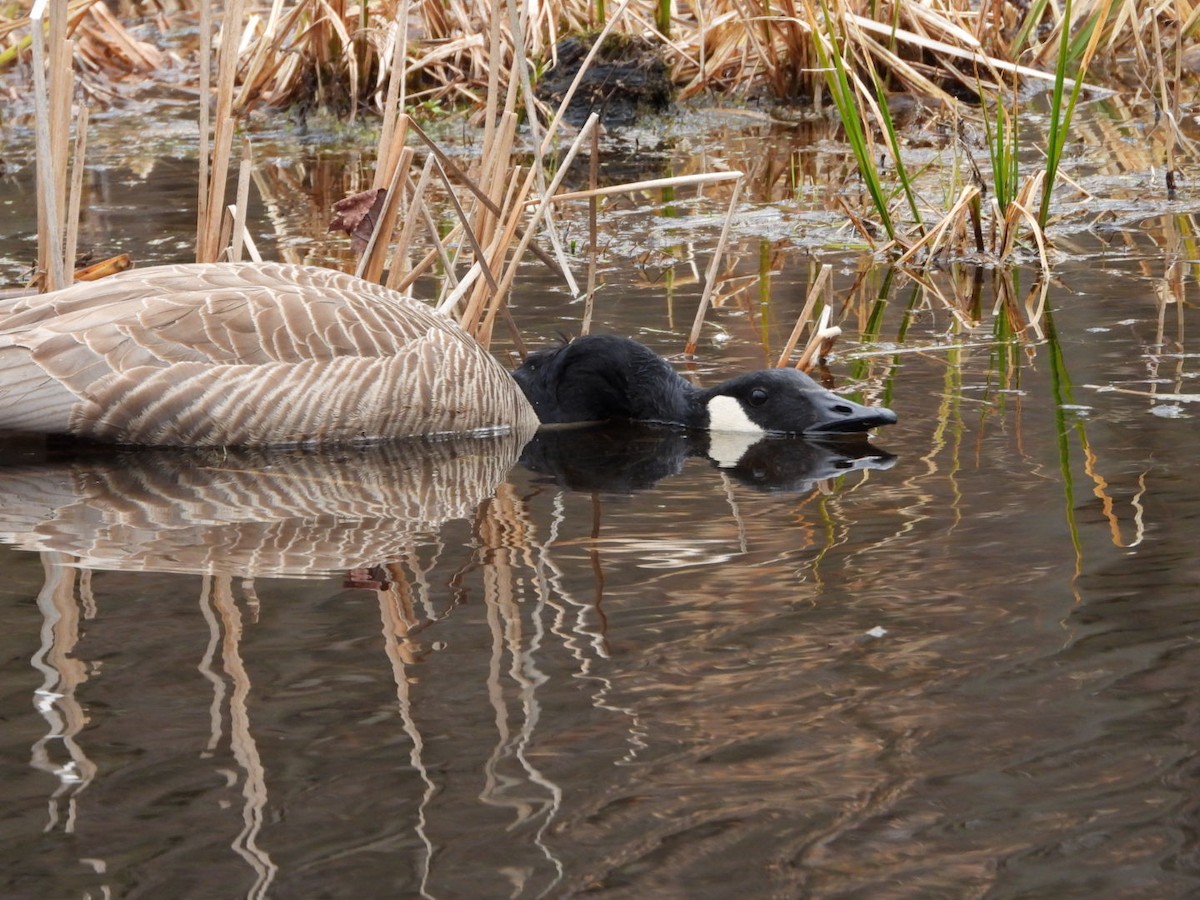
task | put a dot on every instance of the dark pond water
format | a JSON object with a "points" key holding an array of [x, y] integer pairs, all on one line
{"points": [[962, 663]]}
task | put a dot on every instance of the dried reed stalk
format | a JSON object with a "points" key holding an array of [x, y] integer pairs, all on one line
{"points": [[399, 268], [970, 54], [589, 304], [76, 197], [394, 132], [450, 172], [472, 237], [710, 278], [210, 242], [61, 87], [243, 198], [810, 302], [933, 237], [650, 185], [370, 266], [822, 337], [49, 239], [535, 219], [204, 103], [517, 34]]}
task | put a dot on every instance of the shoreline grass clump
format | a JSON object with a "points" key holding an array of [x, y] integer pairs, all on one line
{"points": [[339, 56]]}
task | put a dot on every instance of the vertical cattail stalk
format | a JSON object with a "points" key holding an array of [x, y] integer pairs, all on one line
{"points": [[49, 188], [205, 102], [76, 196], [227, 58], [593, 233], [238, 240]]}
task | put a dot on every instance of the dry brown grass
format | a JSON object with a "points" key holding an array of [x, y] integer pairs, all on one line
{"points": [[340, 55]]}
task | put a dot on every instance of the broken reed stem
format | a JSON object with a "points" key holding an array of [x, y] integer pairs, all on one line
{"points": [[653, 184], [714, 264], [398, 267], [458, 176], [496, 177], [204, 104], [810, 303], [392, 117], [484, 298], [494, 166], [50, 249], [218, 175], [472, 237], [61, 83], [534, 220], [473, 318], [589, 303], [395, 100], [821, 340], [227, 58], [370, 266], [76, 197], [243, 199]]}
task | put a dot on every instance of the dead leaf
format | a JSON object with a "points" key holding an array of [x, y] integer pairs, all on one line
{"points": [[357, 214]]}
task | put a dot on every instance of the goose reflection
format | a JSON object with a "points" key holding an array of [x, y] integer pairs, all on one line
{"points": [[245, 513], [633, 457], [297, 513]]}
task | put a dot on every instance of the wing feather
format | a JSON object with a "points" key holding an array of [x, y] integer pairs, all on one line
{"points": [[245, 354]]}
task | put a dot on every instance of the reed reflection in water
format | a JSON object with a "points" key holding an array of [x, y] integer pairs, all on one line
{"points": [[430, 529]]}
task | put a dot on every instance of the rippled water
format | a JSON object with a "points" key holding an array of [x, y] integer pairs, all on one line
{"points": [[618, 667]]}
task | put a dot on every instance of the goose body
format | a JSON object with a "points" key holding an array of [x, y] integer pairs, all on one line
{"points": [[245, 354], [602, 377], [263, 354]]}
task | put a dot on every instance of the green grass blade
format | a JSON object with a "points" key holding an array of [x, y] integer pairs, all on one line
{"points": [[844, 99], [894, 144]]}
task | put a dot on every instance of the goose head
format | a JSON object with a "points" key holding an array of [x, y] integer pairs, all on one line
{"points": [[601, 377], [786, 401]]}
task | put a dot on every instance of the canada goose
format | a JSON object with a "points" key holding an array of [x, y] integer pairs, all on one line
{"points": [[267, 354], [245, 354], [600, 377]]}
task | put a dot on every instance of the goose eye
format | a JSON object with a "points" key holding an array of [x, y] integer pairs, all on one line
{"points": [[758, 396]]}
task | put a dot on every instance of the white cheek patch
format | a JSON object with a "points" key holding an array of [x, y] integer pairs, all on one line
{"points": [[726, 414], [726, 448]]}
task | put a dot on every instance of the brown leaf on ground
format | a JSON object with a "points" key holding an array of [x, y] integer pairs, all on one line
{"points": [[357, 214]]}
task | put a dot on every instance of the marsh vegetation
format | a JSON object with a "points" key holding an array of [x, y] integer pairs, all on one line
{"points": [[964, 665]]}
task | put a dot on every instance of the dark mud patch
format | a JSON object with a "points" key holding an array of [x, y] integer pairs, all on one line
{"points": [[628, 78]]}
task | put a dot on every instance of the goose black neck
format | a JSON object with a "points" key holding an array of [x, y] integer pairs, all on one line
{"points": [[601, 377]]}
